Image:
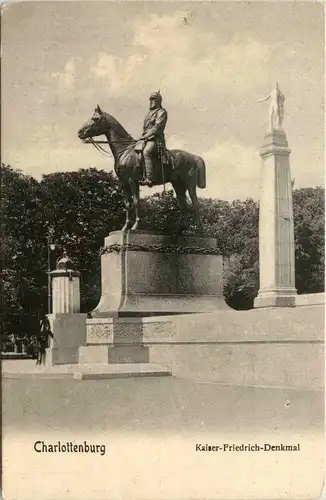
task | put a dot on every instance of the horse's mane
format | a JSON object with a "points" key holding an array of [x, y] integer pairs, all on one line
{"points": [[117, 127]]}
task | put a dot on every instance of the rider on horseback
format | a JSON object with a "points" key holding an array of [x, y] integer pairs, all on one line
{"points": [[185, 171], [152, 141]]}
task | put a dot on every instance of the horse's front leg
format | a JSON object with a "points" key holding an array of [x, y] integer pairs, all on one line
{"points": [[127, 203], [196, 207], [134, 188], [180, 191]]}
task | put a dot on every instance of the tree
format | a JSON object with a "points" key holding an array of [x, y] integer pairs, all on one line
{"points": [[21, 274], [241, 253], [82, 208], [309, 230]]}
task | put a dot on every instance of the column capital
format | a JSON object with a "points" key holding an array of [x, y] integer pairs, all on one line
{"points": [[64, 273], [275, 143]]}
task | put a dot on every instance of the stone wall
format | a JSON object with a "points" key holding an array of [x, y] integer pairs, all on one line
{"points": [[266, 347]]}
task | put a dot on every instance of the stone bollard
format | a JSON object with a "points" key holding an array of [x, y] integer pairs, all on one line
{"points": [[68, 325], [65, 291], [65, 287]]}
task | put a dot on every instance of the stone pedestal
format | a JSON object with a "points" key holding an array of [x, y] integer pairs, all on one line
{"points": [[114, 340], [69, 333], [151, 274], [112, 348], [68, 325], [276, 232], [65, 291]]}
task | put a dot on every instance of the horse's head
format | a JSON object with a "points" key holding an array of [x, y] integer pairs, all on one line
{"points": [[96, 125]]}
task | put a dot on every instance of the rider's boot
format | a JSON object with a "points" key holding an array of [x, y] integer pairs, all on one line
{"points": [[148, 181]]}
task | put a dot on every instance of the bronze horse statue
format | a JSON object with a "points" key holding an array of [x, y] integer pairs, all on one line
{"points": [[185, 171]]}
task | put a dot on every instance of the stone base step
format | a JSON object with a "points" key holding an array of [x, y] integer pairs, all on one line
{"points": [[125, 370], [87, 371], [113, 354]]}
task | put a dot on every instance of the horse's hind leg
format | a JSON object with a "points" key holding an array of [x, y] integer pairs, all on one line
{"points": [[195, 204], [127, 203], [134, 188], [180, 191]]}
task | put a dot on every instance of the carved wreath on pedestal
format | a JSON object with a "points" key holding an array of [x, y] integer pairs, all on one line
{"points": [[179, 249]]}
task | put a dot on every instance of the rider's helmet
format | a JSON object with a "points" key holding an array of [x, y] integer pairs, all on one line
{"points": [[157, 96]]}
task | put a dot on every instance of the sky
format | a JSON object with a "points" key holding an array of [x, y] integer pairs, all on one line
{"points": [[211, 61]]}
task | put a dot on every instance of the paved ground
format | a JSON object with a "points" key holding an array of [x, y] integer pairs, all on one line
{"points": [[157, 404]]}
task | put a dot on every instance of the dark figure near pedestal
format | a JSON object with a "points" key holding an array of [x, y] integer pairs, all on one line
{"points": [[183, 170], [43, 340]]}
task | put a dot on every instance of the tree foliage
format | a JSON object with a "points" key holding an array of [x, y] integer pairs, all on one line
{"points": [[85, 206], [82, 208], [309, 232], [22, 274]]}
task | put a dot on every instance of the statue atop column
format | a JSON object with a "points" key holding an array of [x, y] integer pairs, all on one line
{"points": [[276, 109]]}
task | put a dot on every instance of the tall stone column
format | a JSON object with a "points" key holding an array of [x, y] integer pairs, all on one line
{"points": [[276, 229]]}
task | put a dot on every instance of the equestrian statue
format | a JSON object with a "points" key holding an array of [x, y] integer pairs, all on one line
{"points": [[146, 161]]}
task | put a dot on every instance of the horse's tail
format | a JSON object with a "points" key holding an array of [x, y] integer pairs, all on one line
{"points": [[201, 173]]}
